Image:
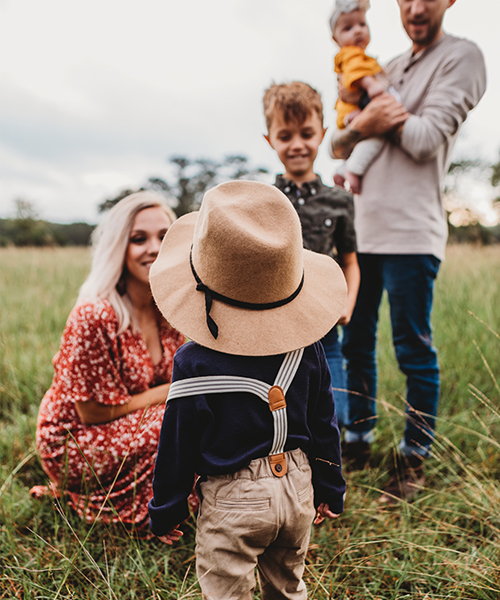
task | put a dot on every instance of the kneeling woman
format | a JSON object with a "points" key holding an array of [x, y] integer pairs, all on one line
{"points": [[99, 423]]}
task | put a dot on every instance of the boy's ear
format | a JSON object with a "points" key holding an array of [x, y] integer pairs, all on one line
{"points": [[268, 139], [324, 133]]}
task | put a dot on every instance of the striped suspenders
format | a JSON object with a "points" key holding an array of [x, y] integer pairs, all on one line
{"points": [[274, 395]]}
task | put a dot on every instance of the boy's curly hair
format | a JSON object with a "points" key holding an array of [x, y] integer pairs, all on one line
{"points": [[295, 101]]}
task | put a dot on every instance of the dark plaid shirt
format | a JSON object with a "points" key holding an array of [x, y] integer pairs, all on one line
{"points": [[326, 215]]}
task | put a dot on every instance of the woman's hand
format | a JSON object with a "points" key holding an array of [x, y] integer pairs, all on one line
{"points": [[172, 536], [94, 413]]}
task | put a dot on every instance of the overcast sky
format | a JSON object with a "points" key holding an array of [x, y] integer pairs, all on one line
{"points": [[97, 95]]}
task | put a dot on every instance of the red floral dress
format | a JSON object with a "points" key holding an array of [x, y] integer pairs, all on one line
{"points": [[106, 469]]}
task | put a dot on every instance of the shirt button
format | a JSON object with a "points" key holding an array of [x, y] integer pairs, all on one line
{"points": [[328, 222], [301, 201], [286, 190], [313, 192], [278, 468]]}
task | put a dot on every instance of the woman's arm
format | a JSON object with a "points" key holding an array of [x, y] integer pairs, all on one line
{"points": [[350, 267], [94, 413]]}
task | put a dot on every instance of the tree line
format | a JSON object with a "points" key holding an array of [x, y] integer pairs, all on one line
{"points": [[190, 178], [184, 191]]}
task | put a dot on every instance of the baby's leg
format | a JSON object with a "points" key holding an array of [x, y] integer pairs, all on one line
{"points": [[339, 175], [364, 153], [354, 181]]}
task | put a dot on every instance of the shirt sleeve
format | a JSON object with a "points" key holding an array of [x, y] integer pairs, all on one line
{"points": [[324, 456], [87, 364], [174, 473], [354, 64], [455, 89]]}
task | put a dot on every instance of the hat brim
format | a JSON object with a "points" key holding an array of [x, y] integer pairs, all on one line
{"points": [[301, 322]]}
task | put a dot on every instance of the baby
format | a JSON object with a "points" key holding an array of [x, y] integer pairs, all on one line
{"points": [[360, 73]]}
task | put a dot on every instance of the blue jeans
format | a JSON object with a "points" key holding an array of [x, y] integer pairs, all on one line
{"points": [[409, 281], [335, 360]]}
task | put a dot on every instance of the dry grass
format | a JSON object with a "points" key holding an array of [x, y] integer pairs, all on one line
{"points": [[445, 545]]}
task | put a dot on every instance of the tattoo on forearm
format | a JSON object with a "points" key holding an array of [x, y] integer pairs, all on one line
{"points": [[344, 141]]}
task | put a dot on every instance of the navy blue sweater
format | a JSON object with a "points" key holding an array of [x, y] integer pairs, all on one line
{"points": [[218, 434]]}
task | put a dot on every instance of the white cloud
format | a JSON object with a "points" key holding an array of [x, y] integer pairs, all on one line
{"points": [[98, 95]]}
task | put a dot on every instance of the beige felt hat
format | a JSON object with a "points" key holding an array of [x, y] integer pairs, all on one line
{"points": [[234, 276]]}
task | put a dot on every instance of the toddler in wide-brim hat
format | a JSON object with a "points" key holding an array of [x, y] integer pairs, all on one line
{"points": [[250, 409]]}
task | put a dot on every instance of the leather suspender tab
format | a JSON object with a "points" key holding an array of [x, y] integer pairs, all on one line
{"points": [[276, 398], [278, 464], [277, 401]]}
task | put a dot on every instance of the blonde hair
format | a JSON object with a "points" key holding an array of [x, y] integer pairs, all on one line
{"points": [[110, 241], [295, 101]]}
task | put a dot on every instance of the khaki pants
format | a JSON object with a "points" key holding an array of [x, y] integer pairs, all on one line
{"points": [[253, 519]]}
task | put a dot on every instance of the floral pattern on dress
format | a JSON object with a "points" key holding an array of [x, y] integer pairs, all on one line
{"points": [[106, 469]]}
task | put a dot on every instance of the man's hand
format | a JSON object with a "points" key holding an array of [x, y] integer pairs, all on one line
{"points": [[381, 116], [384, 115]]}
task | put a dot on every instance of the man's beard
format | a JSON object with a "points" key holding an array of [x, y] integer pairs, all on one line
{"points": [[426, 37]]}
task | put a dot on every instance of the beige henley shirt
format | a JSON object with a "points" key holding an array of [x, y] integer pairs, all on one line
{"points": [[400, 209]]}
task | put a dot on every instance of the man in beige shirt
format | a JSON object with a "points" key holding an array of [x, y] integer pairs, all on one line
{"points": [[402, 229]]}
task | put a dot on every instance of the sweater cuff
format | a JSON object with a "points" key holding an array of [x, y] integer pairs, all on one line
{"points": [[163, 519]]}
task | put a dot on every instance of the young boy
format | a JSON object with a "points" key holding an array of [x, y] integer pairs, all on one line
{"points": [[360, 73], [294, 120], [250, 409]]}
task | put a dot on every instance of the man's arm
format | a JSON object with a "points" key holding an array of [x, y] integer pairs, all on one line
{"points": [[456, 88], [382, 115]]}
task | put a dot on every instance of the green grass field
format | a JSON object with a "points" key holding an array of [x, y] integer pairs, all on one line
{"points": [[445, 545]]}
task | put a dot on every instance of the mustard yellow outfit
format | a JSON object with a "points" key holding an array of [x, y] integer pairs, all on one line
{"points": [[353, 64]]}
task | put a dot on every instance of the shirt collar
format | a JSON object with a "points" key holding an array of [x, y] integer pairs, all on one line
{"points": [[305, 190], [411, 58]]}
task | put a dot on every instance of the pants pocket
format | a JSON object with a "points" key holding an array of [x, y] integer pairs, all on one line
{"points": [[243, 504], [306, 493]]}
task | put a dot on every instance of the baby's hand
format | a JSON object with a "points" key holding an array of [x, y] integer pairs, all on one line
{"points": [[351, 97], [171, 536], [324, 511]]}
